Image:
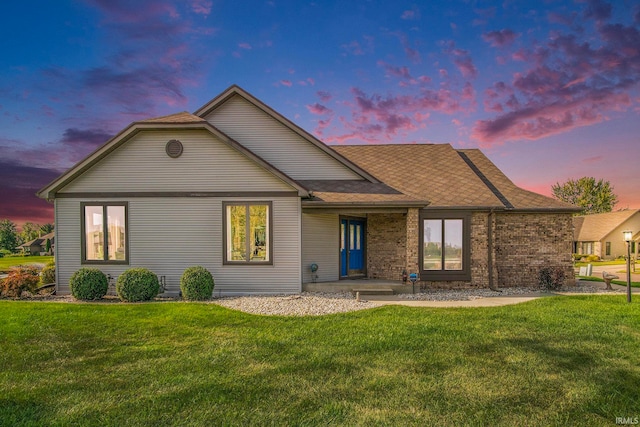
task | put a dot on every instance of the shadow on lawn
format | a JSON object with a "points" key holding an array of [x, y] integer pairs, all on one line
{"points": [[19, 412]]}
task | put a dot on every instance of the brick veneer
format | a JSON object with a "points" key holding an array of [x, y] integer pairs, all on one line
{"points": [[387, 245], [522, 244], [527, 242]]}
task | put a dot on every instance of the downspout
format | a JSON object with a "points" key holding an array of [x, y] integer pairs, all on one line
{"points": [[490, 251]]}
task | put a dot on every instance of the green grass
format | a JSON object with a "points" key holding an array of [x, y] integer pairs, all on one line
{"points": [[601, 263], [552, 361], [7, 262], [617, 282]]}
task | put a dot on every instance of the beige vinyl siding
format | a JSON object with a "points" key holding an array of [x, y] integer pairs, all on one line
{"points": [[618, 245], [276, 143], [207, 164], [168, 235], [320, 245]]}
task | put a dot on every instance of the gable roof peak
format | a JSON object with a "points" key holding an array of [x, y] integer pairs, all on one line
{"points": [[235, 90], [181, 117]]}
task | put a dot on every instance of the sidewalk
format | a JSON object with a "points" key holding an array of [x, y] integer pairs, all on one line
{"points": [[618, 270], [491, 301], [478, 302]]}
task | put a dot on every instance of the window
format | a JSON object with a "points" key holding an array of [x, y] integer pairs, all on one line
{"points": [[607, 248], [247, 233], [587, 248], [104, 233], [444, 249]]}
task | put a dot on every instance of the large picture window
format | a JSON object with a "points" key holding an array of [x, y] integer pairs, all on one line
{"points": [[247, 233], [444, 246], [104, 233]]}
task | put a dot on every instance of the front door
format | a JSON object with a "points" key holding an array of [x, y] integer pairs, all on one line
{"points": [[352, 247]]}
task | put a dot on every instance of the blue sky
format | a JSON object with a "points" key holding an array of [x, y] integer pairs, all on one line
{"points": [[549, 90]]}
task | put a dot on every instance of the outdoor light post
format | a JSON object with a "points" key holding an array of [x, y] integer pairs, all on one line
{"points": [[627, 238]]}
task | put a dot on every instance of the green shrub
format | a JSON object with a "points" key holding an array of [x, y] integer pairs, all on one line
{"points": [[577, 257], [137, 284], [88, 284], [593, 258], [196, 284], [48, 274], [21, 278], [551, 278], [4, 252]]}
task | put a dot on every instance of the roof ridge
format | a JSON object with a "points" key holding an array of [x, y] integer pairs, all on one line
{"points": [[507, 204], [168, 116]]}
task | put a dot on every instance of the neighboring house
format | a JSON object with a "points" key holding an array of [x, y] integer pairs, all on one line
{"points": [[39, 246], [601, 234], [255, 199]]}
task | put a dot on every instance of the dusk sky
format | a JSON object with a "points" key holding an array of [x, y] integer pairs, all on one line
{"points": [[549, 90]]}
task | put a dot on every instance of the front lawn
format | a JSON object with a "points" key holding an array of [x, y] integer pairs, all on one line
{"points": [[617, 282], [553, 361], [7, 262], [602, 263]]}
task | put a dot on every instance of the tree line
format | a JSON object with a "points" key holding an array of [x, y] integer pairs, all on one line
{"points": [[10, 238], [593, 196]]}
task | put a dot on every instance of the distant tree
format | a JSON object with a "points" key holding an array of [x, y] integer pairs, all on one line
{"points": [[29, 232], [8, 235], [591, 195], [46, 228]]}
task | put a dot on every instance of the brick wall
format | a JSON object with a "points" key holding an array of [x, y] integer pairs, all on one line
{"points": [[524, 243], [386, 245]]}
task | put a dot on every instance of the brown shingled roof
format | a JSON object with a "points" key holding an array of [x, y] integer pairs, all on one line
{"points": [[357, 192], [446, 177], [592, 228], [432, 172], [517, 197], [183, 117]]}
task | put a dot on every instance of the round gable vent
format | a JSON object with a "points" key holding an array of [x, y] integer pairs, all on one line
{"points": [[174, 148]]}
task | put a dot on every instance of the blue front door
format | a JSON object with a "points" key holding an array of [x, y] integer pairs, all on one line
{"points": [[352, 247]]}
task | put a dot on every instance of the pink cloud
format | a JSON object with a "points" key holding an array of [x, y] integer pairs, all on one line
{"points": [[557, 18], [318, 109], [401, 72], [569, 83], [286, 83], [245, 46], [358, 48], [324, 96], [539, 121], [465, 65], [378, 118], [500, 38], [598, 9], [461, 59], [411, 53], [202, 7]]}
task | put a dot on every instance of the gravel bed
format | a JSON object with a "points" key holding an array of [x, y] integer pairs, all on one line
{"points": [[320, 303], [304, 304], [472, 294]]}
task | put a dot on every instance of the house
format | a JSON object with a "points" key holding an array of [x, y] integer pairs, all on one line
{"points": [[241, 190], [601, 234], [39, 246]]}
